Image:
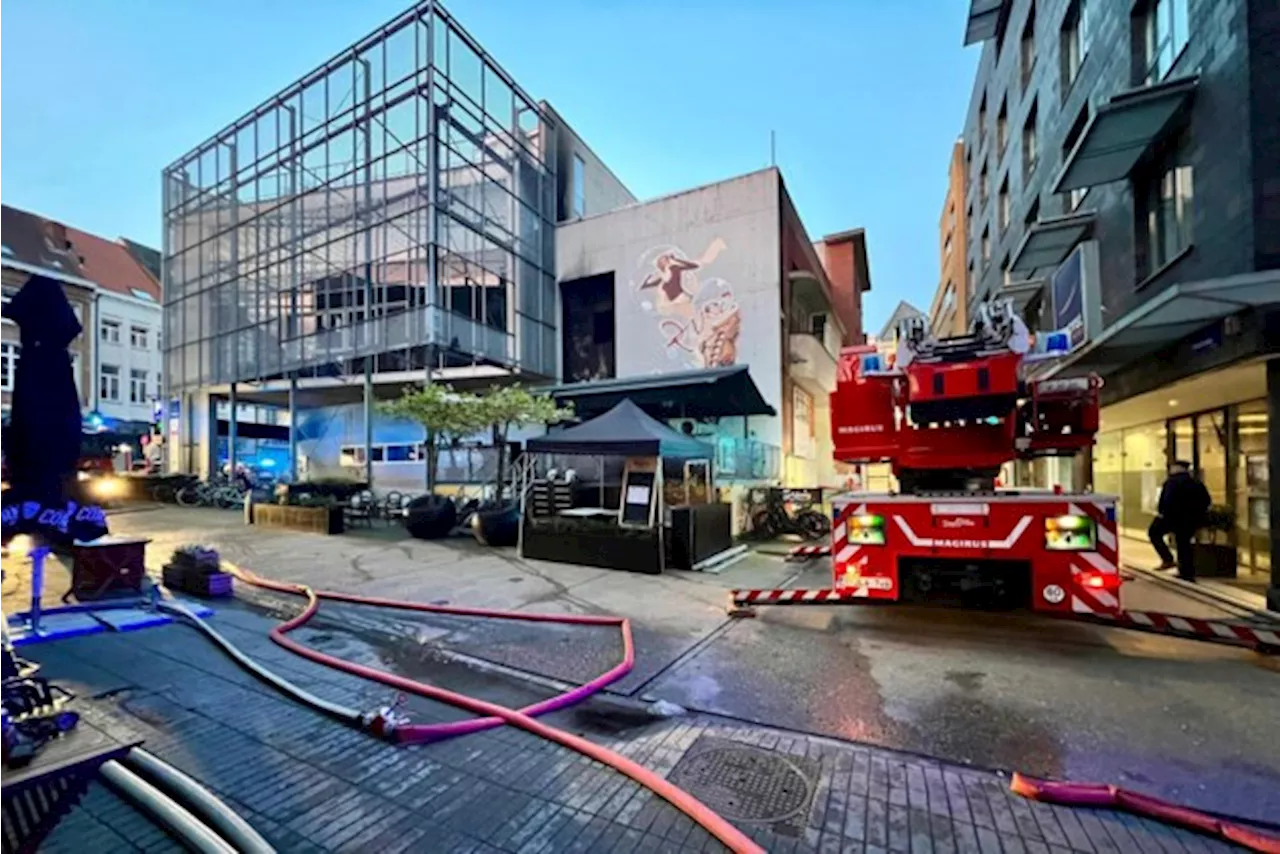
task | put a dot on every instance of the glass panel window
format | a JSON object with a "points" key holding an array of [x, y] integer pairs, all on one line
{"points": [[1004, 206], [1211, 453], [109, 382], [1073, 41], [1030, 143], [110, 331], [1027, 47], [137, 386], [9, 355], [1253, 486], [139, 337], [579, 186], [1166, 34], [1002, 127], [1169, 209], [1145, 470]]}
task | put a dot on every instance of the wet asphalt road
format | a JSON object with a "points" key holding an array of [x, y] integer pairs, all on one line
{"points": [[1191, 722]]}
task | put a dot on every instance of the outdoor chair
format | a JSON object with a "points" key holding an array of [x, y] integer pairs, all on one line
{"points": [[361, 508]]}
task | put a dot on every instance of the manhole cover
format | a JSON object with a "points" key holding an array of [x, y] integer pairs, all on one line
{"points": [[745, 783]]}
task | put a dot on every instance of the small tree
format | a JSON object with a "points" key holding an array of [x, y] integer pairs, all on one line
{"points": [[509, 406], [445, 414]]}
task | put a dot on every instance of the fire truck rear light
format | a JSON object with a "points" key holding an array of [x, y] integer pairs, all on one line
{"points": [[866, 530], [1070, 534], [1099, 580]]}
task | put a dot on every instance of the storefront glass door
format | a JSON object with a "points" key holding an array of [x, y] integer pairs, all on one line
{"points": [[1211, 453], [1144, 471], [1252, 487]]}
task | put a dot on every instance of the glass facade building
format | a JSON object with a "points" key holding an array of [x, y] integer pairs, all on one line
{"points": [[392, 210]]}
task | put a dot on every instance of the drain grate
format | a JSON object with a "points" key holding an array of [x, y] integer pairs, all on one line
{"points": [[746, 783]]}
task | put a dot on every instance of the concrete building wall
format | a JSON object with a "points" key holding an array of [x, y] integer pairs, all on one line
{"points": [[128, 339], [1217, 141], [601, 190], [732, 230], [949, 313]]}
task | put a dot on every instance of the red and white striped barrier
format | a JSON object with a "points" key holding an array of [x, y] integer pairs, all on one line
{"points": [[1258, 638], [808, 552]]}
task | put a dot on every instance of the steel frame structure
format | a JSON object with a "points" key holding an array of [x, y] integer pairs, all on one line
{"points": [[394, 208]]}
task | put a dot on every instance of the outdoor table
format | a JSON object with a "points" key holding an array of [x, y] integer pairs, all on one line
{"points": [[38, 795]]}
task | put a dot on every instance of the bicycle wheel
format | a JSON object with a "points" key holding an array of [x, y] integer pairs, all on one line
{"points": [[762, 525], [190, 496], [228, 497]]}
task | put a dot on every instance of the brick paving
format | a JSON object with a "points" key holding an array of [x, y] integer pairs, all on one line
{"points": [[308, 784]]}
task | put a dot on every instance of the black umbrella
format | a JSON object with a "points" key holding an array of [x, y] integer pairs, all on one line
{"points": [[42, 442]]}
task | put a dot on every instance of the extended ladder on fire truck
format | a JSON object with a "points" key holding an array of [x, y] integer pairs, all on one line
{"points": [[946, 415]]}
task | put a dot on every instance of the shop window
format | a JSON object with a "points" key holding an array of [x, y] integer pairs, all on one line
{"points": [[1253, 486], [1211, 453], [1145, 468]]}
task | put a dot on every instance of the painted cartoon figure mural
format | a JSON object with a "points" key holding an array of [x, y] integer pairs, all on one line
{"points": [[697, 318]]}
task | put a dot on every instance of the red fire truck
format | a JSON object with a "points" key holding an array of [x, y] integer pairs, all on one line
{"points": [[946, 415]]}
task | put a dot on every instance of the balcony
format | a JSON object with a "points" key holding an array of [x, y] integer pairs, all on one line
{"points": [[813, 365]]}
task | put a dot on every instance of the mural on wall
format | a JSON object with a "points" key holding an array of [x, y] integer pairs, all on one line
{"points": [[696, 316]]}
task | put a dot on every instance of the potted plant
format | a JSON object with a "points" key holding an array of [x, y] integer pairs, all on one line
{"points": [[1213, 550], [445, 415]]}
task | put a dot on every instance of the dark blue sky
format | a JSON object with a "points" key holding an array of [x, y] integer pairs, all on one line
{"points": [[866, 97]]}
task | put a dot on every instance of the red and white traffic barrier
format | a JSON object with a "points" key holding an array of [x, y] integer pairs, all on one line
{"points": [[822, 596], [808, 552]]}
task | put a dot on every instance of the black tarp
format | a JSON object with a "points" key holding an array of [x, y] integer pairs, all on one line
{"points": [[624, 431]]}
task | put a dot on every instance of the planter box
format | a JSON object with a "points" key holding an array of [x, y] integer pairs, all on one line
{"points": [[633, 551], [1214, 561], [313, 520]]}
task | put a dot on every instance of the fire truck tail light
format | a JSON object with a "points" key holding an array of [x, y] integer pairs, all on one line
{"points": [[1109, 581], [866, 530], [1070, 534]]}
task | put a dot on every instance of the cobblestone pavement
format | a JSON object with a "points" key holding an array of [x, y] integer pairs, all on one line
{"points": [[309, 784]]}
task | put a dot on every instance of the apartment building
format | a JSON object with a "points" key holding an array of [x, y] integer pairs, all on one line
{"points": [[1123, 164], [949, 312]]}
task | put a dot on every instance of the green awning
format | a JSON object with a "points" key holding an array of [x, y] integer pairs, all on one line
{"points": [[1122, 131], [1048, 242]]}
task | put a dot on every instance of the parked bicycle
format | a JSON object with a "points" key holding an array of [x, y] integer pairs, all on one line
{"points": [[215, 492]]}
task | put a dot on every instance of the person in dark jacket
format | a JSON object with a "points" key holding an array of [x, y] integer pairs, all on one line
{"points": [[1184, 501]]}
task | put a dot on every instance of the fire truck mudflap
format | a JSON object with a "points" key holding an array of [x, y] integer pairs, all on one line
{"points": [[1052, 553]]}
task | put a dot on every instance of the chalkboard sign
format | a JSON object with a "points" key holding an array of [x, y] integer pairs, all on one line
{"points": [[637, 498]]}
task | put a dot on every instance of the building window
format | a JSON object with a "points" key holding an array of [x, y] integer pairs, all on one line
{"points": [[109, 382], [1074, 41], [948, 299], [1002, 127], [138, 337], [1033, 213], [1027, 48], [1006, 274], [946, 248], [1169, 198], [986, 245], [5, 298], [137, 386], [982, 185], [1165, 34], [9, 355], [579, 186], [982, 120], [1003, 205], [110, 331], [1030, 142], [1075, 197]]}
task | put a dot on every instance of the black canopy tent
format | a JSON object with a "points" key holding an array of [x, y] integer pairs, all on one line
{"points": [[624, 431], [646, 443]]}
